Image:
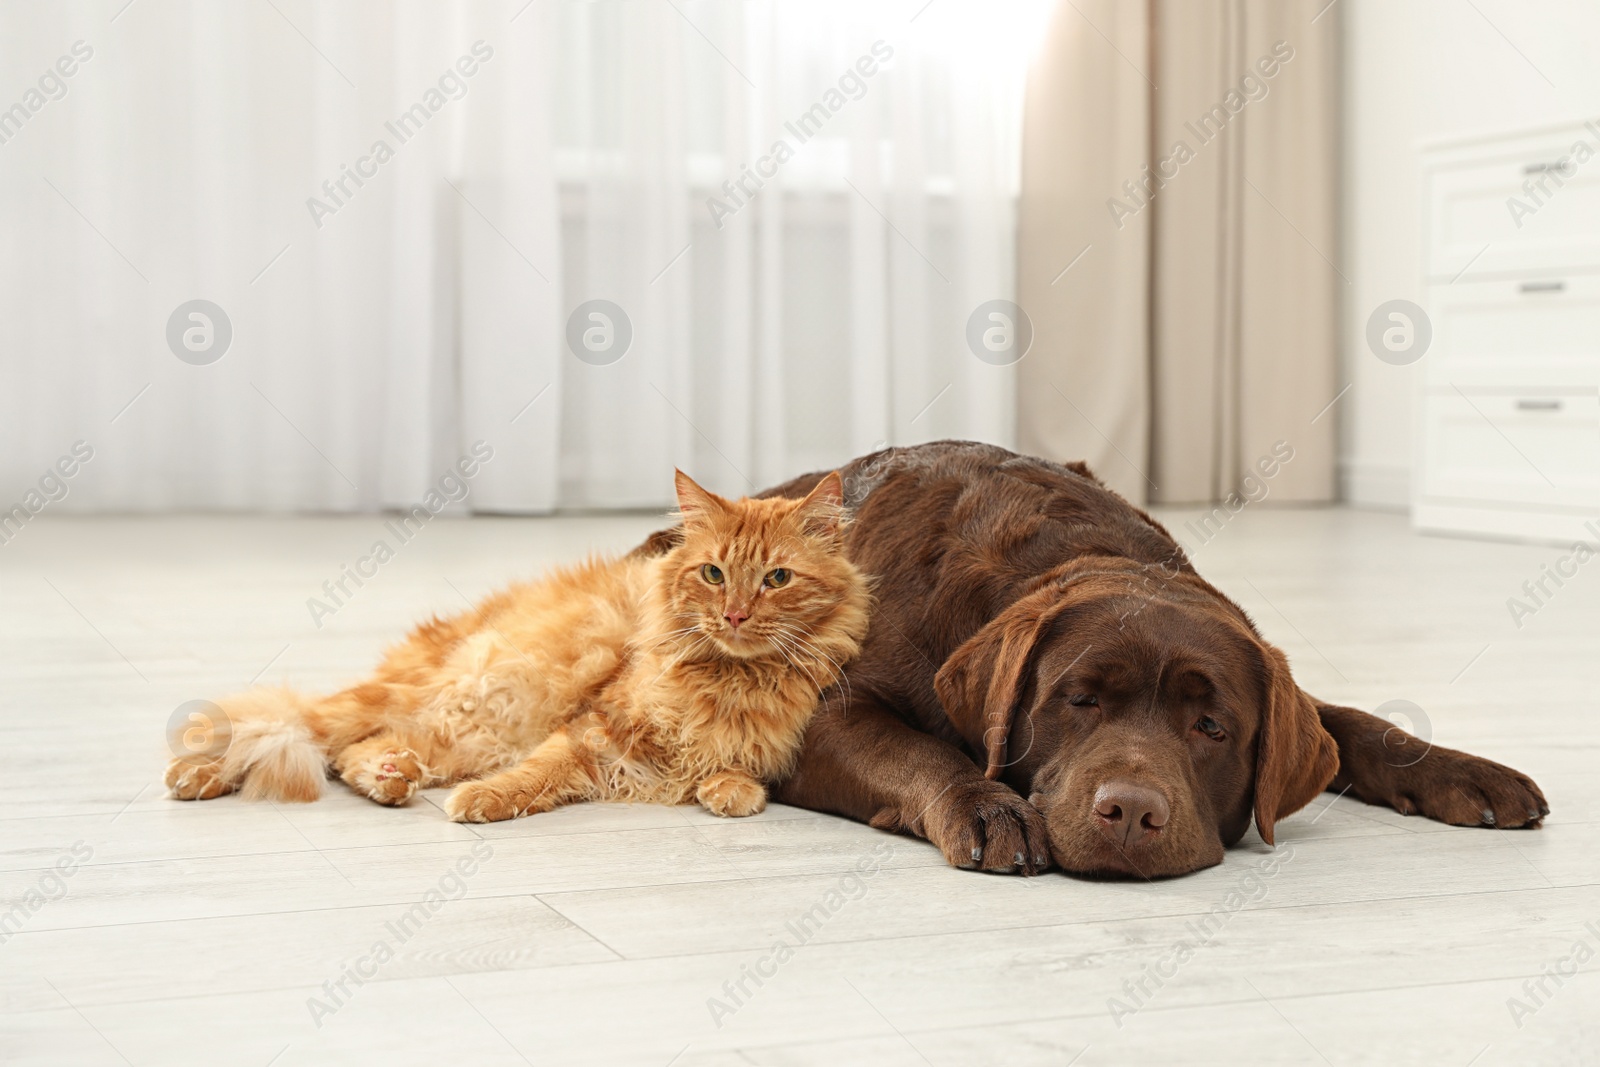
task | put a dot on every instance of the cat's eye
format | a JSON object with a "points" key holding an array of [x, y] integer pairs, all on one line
{"points": [[1211, 728], [711, 573], [776, 578], [1084, 700]]}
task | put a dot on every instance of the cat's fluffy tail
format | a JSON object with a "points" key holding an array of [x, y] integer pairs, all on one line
{"points": [[267, 748]]}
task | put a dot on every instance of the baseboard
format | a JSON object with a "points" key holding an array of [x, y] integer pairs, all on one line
{"points": [[1375, 485], [1506, 523]]}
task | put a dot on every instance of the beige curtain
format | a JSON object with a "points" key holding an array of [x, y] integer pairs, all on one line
{"points": [[1191, 146], [1083, 389]]}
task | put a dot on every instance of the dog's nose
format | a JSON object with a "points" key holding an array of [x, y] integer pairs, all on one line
{"points": [[1130, 815]]}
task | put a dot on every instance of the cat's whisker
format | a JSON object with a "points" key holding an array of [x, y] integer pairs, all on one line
{"points": [[803, 647], [795, 640], [836, 672], [669, 638], [835, 669], [820, 686], [672, 635], [816, 649], [778, 643]]}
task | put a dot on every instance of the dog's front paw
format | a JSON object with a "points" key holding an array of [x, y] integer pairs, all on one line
{"points": [[1464, 790], [986, 826], [732, 795]]}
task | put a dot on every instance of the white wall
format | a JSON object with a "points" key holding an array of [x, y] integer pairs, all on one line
{"points": [[1415, 71]]}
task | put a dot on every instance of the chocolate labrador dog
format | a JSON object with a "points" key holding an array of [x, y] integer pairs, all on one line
{"points": [[1046, 678]]}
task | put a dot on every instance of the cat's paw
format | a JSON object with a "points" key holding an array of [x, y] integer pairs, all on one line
{"points": [[487, 802], [188, 780], [732, 795], [392, 777]]}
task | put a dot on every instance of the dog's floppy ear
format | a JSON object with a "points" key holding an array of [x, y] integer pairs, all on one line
{"points": [[1295, 757], [981, 683]]}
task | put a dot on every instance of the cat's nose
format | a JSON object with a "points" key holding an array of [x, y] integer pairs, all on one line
{"points": [[735, 617]]}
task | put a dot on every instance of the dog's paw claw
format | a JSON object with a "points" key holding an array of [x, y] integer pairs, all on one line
{"points": [[988, 827]]}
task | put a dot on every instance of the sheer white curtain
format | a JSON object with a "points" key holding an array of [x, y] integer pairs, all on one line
{"points": [[391, 305]]}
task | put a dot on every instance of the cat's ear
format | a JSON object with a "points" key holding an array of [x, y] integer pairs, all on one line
{"points": [[822, 511], [697, 504]]}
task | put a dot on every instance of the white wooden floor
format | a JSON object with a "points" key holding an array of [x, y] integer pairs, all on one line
{"points": [[201, 933]]}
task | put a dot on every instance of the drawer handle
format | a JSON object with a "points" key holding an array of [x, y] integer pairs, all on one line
{"points": [[1560, 166], [1543, 287], [1538, 405]]}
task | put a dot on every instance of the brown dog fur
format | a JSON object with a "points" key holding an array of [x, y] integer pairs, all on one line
{"points": [[1038, 640]]}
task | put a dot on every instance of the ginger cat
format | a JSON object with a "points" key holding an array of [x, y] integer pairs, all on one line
{"points": [[685, 677]]}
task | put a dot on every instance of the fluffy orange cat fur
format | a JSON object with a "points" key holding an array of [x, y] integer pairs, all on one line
{"points": [[685, 677]]}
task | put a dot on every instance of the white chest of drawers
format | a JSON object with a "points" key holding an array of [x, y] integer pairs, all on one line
{"points": [[1508, 433]]}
